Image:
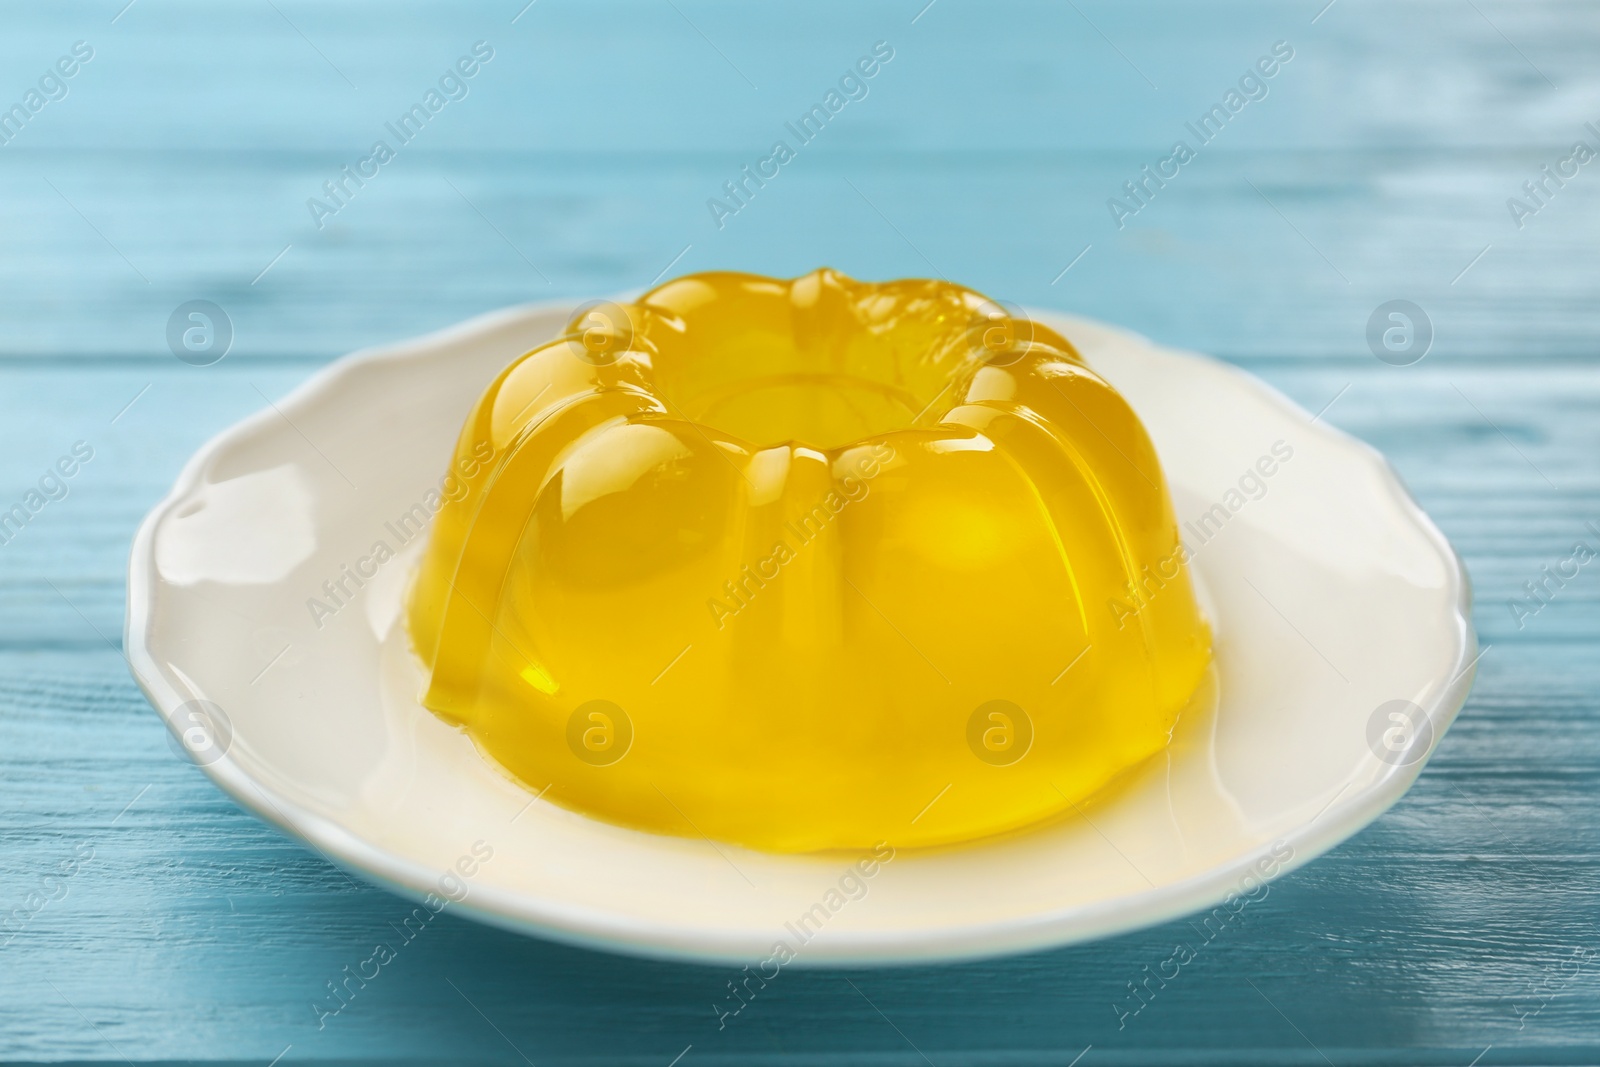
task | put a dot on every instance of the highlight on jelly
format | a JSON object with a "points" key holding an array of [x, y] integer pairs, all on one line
{"points": [[807, 565]]}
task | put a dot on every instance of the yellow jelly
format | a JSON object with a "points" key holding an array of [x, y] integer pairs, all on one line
{"points": [[806, 565]]}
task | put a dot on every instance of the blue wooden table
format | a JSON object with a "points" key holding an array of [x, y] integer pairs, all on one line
{"points": [[167, 151]]}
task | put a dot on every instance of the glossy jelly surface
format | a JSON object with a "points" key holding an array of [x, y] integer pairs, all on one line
{"points": [[805, 565]]}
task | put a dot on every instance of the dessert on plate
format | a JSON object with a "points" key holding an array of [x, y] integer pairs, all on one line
{"points": [[806, 565]]}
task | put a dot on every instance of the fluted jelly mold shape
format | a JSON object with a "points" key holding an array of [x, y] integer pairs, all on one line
{"points": [[805, 565]]}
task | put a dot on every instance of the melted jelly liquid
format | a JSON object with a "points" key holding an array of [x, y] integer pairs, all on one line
{"points": [[805, 565]]}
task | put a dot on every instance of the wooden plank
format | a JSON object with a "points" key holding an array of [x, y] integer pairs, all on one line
{"points": [[1368, 185], [1430, 926], [1474, 443]]}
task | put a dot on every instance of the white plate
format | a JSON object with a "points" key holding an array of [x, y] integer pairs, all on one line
{"points": [[1331, 595]]}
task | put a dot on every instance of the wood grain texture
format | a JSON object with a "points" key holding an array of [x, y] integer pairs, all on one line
{"points": [[178, 165]]}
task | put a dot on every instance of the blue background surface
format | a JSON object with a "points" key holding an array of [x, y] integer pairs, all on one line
{"points": [[1462, 924]]}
